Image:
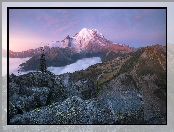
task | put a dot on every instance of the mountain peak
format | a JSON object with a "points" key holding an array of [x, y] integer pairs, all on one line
{"points": [[85, 34], [67, 37], [84, 29]]}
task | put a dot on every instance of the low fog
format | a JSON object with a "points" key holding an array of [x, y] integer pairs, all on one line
{"points": [[13, 65], [78, 65]]}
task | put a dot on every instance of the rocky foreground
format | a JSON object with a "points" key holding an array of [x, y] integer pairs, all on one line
{"points": [[136, 94], [45, 98]]}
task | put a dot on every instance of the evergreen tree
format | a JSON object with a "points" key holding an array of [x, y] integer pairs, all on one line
{"points": [[42, 65]]}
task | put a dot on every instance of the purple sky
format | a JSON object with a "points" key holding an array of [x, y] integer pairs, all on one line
{"points": [[134, 27]]}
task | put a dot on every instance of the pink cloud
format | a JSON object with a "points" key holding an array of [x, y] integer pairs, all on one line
{"points": [[49, 21], [137, 17], [38, 18], [67, 26], [63, 28], [65, 13]]}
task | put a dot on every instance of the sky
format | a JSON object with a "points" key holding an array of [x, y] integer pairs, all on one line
{"points": [[31, 28]]}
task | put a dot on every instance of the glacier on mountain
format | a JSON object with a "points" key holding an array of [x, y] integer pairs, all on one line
{"points": [[81, 40]]}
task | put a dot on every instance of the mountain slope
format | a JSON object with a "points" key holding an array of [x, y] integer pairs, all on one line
{"points": [[148, 70], [143, 73], [160, 48]]}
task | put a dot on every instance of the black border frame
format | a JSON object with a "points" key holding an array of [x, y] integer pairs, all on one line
{"points": [[8, 8]]}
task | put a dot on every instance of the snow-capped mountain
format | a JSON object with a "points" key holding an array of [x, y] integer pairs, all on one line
{"points": [[86, 41], [81, 40]]}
